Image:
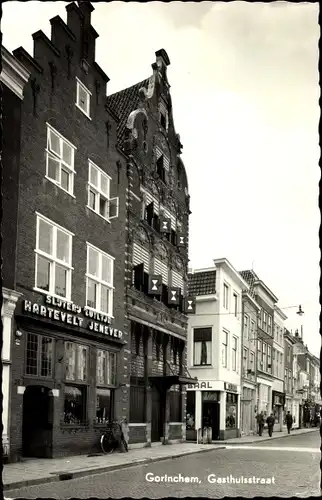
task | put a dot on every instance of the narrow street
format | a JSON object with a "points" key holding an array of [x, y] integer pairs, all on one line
{"points": [[289, 467]]}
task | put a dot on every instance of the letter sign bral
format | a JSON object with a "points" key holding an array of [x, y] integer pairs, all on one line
{"points": [[174, 296], [190, 305], [181, 240], [165, 225], [155, 284]]}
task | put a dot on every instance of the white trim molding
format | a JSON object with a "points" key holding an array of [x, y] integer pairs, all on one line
{"points": [[14, 75]]}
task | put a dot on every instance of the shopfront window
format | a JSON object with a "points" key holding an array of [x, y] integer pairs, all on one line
{"points": [[104, 403], [39, 355], [105, 367], [175, 406], [76, 362], [231, 411], [74, 405]]}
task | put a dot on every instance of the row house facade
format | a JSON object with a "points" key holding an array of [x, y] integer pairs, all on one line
{"points": [[157, 226], [270, 383], [14, 77], [69, 210], [214, 347], [292, 398]]}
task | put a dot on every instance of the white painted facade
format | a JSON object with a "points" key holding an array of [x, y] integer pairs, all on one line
{"points": [[14, 76], [225, 320], [278, 346]]}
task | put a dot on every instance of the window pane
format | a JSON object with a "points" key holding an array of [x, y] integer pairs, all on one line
{"points": [[92, 199], [100, 366], [31, 359], [103, 405], [105, 299], [60, 280], [64, 179], [53, 168], [81, 363], [106, 269], [104, 185], [91, 293], [54, 143], [93, 262], [63, 240], [67, 153], [93, 179], [74, 405], [103, 206], [46, 356], [45, 237], [82, 98], [70, 360], [43, 273], [112, 370]]}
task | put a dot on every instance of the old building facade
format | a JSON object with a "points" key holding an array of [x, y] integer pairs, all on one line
{"points": [[68, 365], [156, 259], [215, 343], [14, 77]]}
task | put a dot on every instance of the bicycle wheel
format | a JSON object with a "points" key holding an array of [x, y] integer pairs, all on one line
{"points": [[107, 443]]}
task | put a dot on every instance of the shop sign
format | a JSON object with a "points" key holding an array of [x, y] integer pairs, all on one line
{"points": [[210, 396], [230, 387], [200, 385], [72, 314]]}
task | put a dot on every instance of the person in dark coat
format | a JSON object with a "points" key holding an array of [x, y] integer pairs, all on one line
{"points": [[260, 423], [270, 422], [289, 421]]}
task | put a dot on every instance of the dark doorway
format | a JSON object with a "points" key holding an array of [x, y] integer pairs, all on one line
{"points": [[157, 415], [37, 427], [210, 416]]}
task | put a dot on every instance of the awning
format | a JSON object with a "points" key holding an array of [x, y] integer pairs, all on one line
{"points": [[164, 382]]}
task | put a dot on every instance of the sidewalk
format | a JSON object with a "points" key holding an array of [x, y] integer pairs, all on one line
{"points": [[38, 471], [265, 437]]}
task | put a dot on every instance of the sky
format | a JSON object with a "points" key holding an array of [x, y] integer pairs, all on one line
{"points": [[244, 86]]}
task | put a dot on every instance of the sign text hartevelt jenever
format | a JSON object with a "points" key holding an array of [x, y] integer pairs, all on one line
{"points": [[72, 314]]}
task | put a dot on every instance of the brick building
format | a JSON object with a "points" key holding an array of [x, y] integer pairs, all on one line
{"points": [[13, 79], [69, 206], [156, 258]]}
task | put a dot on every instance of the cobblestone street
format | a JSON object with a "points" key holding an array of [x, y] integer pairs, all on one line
{"points": [[291, 463]]}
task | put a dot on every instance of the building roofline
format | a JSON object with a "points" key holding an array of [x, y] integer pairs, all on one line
{"points": [[266, 289], [225, 262], [13, 74], [280, 312], [251, 299]]}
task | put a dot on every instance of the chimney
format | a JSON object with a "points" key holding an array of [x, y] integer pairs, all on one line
{"points": [[162, 61], [296, 333]]}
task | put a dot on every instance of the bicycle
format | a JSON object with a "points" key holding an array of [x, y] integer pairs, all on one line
{"points": [[113, 438]]}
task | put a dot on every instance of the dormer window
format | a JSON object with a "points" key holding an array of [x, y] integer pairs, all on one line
{"points": [[83, 98]]}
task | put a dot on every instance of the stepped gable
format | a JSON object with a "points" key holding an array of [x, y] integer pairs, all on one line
{"points": [[203, 283], [122, 103]]}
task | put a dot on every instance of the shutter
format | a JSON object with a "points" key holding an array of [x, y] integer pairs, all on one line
{"points": [[158, 152], [141, 256], [177, 280], [151, 199], [166, 163], [161, 268], [169, 215]]}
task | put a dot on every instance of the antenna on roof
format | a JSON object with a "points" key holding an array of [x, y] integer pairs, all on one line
{"points": [[253, 265]]}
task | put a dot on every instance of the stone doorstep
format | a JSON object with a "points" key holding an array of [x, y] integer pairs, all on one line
{"points": [[59, 476]]}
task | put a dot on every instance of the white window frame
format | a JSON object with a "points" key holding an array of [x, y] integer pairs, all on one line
{"points": [[234, 352], [99, 281], [226, 296], [62, 164], [246, 326], [225, 343], [269, 323], [264, 323], [87, 111], [99, 193], [53, 260], [235, 304], [245, 360]]}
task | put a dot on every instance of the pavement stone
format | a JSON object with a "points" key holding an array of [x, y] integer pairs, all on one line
{"points": [[38, 471]]}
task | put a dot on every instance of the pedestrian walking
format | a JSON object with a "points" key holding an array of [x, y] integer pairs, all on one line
{"points": [[270, 422], [260, 423], [289, 422]]}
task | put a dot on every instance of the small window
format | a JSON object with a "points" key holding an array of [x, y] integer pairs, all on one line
{"points": [[60, 160], [225, 298], [74, 405], [235, 296], [99, 289], [104, 405], [99, 194], [83, 98], [39, 355], [105, 367], [76, 362], [202, 339]]}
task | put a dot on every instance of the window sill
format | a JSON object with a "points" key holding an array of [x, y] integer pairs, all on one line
{"points": [[205, 365], [60, 187], [58, 297], [82, 110], [101, 216]]}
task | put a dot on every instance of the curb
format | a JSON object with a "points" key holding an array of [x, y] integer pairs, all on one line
{"points": [[65, 476]]}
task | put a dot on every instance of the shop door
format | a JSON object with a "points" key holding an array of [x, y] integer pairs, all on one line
{"points": [[157, 416], [37, 427], [211, 412]]}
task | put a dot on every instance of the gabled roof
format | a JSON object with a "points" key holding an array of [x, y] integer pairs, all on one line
{"points": [[252, 279], [202, 283], [122, 103]]}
